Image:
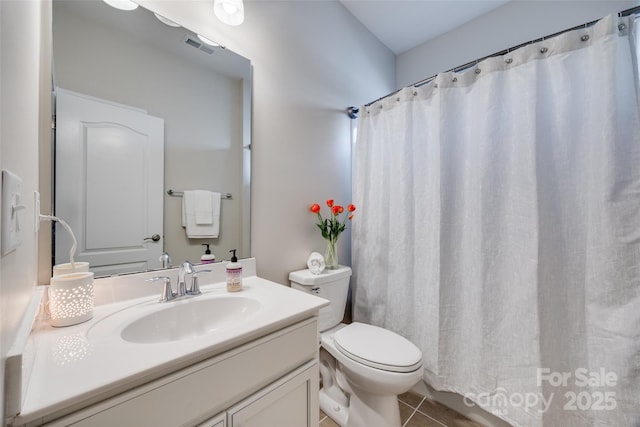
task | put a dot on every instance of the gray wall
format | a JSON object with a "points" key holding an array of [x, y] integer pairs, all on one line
{"points": [[518, 21], [24, 82], [509, 25], [311, 60]]}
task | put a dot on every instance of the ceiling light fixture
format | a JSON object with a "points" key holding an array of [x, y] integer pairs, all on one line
{"points": [[231, 12], [122, 4], [166, 21]]}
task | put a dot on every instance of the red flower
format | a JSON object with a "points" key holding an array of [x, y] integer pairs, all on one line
{"points": [[333, 226]]}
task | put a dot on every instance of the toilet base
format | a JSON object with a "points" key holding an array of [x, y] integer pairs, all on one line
{"points": [[335, 410], [347, 389]]}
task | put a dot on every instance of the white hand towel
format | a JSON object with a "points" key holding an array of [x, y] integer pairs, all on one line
{"points": [[203, 207], [190, 206]]}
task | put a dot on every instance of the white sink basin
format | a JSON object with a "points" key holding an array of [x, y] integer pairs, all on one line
{"points": [[190, 318]]}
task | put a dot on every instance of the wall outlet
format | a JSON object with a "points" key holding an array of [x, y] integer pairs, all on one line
{"points": [[11, 211]]}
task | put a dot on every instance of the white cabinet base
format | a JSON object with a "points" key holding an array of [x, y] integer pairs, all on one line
{"points": [[274, 377]]}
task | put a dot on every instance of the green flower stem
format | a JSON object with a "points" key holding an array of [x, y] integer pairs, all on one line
{"points": [[331, 256]]}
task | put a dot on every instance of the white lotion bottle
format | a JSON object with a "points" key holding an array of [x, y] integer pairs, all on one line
{"points": [[234, 274], [208, 257]]}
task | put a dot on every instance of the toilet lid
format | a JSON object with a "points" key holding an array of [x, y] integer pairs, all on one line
{"points": [[378, 348]]}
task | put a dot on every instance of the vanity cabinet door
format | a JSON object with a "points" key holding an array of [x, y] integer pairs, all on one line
{"points": [[292, 401]]}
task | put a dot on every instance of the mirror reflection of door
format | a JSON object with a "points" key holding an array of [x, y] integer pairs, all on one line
{"points": [[109, 184], [204, 98]]}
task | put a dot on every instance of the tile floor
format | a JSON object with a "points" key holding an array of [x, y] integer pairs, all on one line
{"points": [[418, 411]]}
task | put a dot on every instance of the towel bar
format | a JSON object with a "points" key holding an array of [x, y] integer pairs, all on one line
{"points": [[180, 193]]}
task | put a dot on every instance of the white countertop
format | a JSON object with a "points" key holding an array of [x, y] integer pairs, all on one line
{"points": [[91, 361]]}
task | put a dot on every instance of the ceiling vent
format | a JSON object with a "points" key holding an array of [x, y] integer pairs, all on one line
{"points": [[193, 42]]}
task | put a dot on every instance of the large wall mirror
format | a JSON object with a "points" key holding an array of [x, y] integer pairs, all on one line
{"points": [[146, 110]]}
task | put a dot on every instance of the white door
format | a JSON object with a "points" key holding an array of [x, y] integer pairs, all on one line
{"points": [[109, 167]]}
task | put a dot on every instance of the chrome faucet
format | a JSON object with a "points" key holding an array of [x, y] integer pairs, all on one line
{"points": [[195, 287], [167, 293], [165, 259], [185, 268]]}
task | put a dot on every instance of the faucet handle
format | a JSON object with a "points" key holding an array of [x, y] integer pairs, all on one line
{"points": [[195, 287], [185, 268], [167, 293]]}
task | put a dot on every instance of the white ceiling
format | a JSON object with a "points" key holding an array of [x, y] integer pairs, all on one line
{"points": [[405, 24]]}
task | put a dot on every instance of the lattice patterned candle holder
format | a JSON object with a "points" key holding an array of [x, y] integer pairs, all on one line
{"points": [[68, 268], [71, 298]]}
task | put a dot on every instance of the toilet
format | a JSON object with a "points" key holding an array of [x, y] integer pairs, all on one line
{"points": [[363, 367]]}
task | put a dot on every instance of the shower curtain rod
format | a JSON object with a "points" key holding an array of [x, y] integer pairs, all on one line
{"points": [[627, 12]]}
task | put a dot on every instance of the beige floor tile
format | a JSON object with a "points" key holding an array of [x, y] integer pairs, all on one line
{"points": [[421, 420], [405, 412], [328, 422], [410, 398], [428, 414], [446, 415]]}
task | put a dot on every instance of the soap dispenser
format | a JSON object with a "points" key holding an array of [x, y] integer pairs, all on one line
{"points": [[208, 257], [234, 274]]}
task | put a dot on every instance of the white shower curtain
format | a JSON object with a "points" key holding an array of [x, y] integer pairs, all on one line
{"points": [[499, 228]]}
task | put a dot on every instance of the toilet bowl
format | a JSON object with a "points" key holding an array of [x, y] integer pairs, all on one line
{"points": [[363, 367]]}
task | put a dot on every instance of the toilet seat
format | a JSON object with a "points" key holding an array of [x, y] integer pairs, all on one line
{"points": [[378, 348]]}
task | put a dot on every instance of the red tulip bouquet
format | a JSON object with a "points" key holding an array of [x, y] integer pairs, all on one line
{"points": [[331, 228]]}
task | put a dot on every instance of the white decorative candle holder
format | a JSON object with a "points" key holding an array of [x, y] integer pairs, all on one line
{"points": [[71, 298], [66, 268]]}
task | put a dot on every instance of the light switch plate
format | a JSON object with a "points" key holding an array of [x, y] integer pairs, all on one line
{"points": [[12, 207]]}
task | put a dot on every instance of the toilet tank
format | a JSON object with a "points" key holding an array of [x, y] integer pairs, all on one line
{"points": [[330, 284]]}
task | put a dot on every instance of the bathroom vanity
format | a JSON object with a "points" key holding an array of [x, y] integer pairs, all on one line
{"points": [[243, 359]]}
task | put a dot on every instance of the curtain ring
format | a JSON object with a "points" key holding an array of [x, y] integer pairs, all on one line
{"points": [[543, 50], [455, 79], [584, 38], [478, 71], [508, 60], [621, 27]]}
